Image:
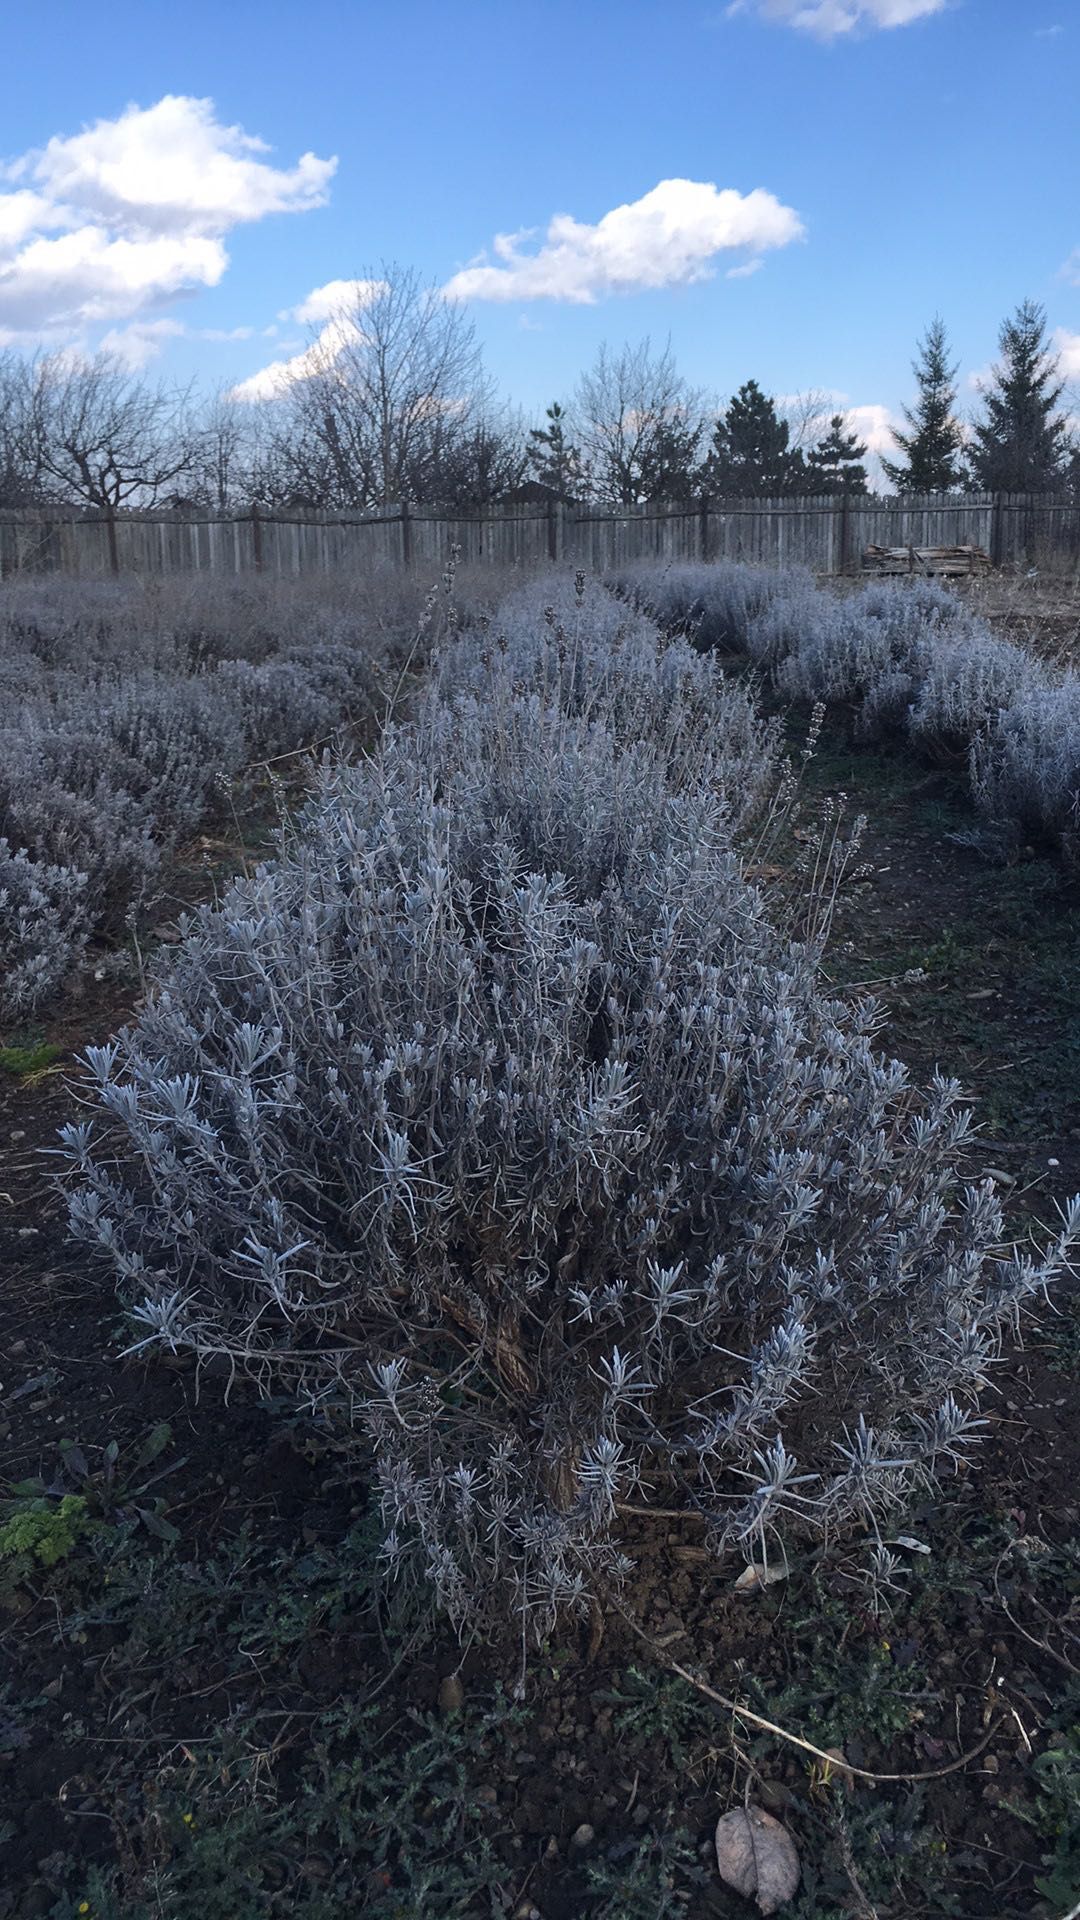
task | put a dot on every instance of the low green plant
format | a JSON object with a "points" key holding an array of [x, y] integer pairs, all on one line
{"points": [[1051, 1578], [117, 1488], [645, 1879], [385, 1817], [849, 1680], [1056, 1817], [870, 1855], [653, 1704], [34, 1058], [38, 1533]]}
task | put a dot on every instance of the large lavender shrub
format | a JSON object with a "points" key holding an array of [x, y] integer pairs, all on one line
{"points": [[715, 604], [127, 707], [497, 1121], [1025, 767], [44, 924], [576, 647], [905, 660]]}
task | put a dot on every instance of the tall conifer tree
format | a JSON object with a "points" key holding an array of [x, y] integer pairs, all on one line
{"points": [[1019, 445], [933, 445], [555, 463], [750, 452], [835, 464]]}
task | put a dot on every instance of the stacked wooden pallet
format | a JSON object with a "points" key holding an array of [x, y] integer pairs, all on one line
{"points": [[944, 560]]}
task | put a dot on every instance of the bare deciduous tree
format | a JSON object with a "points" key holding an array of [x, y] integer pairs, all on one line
{"points": [[226, 454], [106, 438], [481, 465], [397, 386], [20, 452], [638, 424], [806, 416]]}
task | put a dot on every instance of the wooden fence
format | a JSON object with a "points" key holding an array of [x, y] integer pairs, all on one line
{"points": [[827, 534]]}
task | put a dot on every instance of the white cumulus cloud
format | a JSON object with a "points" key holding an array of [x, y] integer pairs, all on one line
{"points": [[829, 19], [1067, 348], [337, 304], [109, 223], [337, 296], [224, 333], [873, 423], [670, 237], [88, 276]]}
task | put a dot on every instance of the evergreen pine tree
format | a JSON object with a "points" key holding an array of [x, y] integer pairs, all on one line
{"points": [[835, 464], [750, 452], [669, 469], [555, 463], [933, 444], [1019, 445]]}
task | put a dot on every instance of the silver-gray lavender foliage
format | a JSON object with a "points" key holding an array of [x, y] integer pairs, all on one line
{"points": [[904, 659], [577, 648], [496, 1119], [126, 710], [42, 927]]}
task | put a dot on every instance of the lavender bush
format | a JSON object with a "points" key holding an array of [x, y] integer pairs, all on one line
{"points": [[44, 924], [1026, 768], [497, 1121], [128, 707], [907, 660], [716, 605], [575, 647]]}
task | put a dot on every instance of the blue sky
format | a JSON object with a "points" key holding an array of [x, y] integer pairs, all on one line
{"points": [[859, 176]]}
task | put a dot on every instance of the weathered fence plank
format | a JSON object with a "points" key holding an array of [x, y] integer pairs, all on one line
{"points": [[827, 534]]}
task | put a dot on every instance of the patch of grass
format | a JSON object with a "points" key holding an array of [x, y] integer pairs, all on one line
{"points": [[294, 1792], [28, 1058]]}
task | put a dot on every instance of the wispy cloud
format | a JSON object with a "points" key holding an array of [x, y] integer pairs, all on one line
{"points": [[131, 213], [140, 342], [224, 333], [671, 237], [830, 19]]}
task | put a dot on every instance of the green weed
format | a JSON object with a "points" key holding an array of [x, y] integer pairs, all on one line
{"points": [[20, 1061]]}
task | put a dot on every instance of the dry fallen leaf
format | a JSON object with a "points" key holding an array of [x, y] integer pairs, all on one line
{"points": [[751, 1578], [757, 1857]]}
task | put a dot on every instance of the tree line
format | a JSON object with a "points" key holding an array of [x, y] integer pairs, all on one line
{"points": [[395, 407]]}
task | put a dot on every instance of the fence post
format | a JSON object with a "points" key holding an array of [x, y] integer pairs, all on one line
{"points": [[845, 531], [1001, 527], [703, 526], [553, 530], [406, 534], [256, 537], [114, 550]]}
